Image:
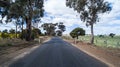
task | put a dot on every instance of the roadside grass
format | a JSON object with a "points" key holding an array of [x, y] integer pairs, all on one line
{"points": [[4, 42], [105, 41], [10, 42]]}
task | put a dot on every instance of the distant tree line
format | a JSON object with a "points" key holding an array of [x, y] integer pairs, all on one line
{"points": [[51, 29], [110, 35], [20, 34]]}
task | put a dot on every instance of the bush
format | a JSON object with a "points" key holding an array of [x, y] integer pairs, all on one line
{"points": [[4, 35], [77, 32], [102, 36], [34, 34], [111, 35]]}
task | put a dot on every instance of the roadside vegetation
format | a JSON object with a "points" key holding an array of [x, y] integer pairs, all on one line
{"points": [[105, 41], [29, 12], [11, 37], [89, 11]]}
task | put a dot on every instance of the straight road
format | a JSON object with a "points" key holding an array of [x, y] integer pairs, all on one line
{"points": [[57, 53]]}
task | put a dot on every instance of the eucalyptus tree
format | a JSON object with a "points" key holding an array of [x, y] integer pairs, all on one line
{"points": [[26, 10], [61, 28], [49, 28], [4, 6], [89, 11]]}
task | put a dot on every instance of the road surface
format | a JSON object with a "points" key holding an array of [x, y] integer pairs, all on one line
{"points": [[57, 53]]}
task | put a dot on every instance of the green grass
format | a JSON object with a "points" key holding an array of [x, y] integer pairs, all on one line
{"points": [[106, 41]]}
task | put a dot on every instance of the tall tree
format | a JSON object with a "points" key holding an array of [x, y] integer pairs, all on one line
{"points": [[49, 28], [27, 10], [89, 11], [62, 28]]}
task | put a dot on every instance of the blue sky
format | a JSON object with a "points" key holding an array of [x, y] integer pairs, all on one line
{"points": [[56, 11]]}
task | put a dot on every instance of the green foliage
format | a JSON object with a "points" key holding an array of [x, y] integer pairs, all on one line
{"points": [[23, 34], [59, 33], [77, 32], [101, 36], [13, 35], [111, 35], [5, 31], [4, 8], [35, 34], [89, 11], [61, 26], [12, 31], [23, 11], [4, 35], [49, 28]]}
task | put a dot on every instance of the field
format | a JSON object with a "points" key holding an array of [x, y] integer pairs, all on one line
{"points": [[105, 41]]}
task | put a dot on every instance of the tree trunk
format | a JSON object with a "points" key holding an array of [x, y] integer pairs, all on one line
{"points": [[92, 35], [28, 27]]}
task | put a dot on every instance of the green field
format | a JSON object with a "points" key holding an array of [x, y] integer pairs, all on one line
{"points": [[105, 41]]}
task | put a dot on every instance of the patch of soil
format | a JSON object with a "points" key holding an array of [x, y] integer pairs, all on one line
{"points": [[108, 55], [6, 53]]}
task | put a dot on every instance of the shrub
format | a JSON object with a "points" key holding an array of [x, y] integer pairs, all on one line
{"points": [[77, 32], [4, 35]]}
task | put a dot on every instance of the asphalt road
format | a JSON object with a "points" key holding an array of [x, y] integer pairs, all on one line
{"points": [[57, 53]]}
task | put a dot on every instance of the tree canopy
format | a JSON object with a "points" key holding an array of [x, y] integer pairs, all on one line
{"points": [[23, 11], [89, 11], [111, 35], [77, 32], [12, 31], [49, 28]]}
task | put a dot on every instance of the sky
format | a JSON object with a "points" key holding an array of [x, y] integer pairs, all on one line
{"points": [[56, 11]]}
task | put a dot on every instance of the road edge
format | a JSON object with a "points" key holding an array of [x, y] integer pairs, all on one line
{"points": [[28, 51], [96, 57]]}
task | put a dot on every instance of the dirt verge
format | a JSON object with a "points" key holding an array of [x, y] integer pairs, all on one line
{"points": [[109, 56], [12, 53]]}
